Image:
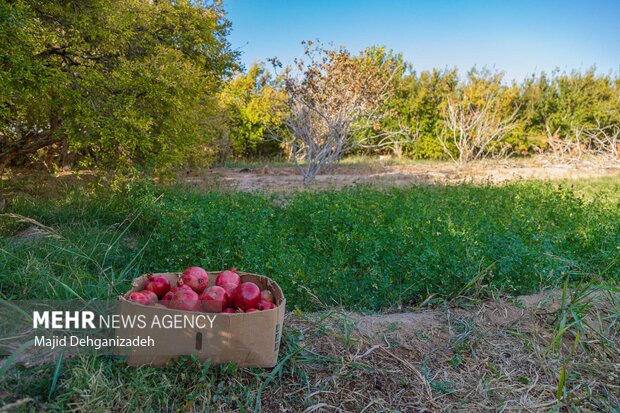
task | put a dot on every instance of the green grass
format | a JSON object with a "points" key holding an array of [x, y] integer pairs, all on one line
{"points": [[106, 384], [362, 248]]}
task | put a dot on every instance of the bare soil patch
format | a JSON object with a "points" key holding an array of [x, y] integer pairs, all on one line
{"points": [[394, 174]]}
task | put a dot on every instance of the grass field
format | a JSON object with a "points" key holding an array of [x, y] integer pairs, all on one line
{"points": [[359, 249]]}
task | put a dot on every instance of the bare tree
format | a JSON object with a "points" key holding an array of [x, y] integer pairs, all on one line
{"points": [[333, 97], [563, 150], [599, 140], [604, 140], [392, 140], [473, 127]]}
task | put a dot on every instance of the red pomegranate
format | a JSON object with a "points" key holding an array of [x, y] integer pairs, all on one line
{"points": [[184, 298], [267, 296], [167, 297], [247, 295], [213, 299], [228, 277], [266, 305], [151, 296], [195, 277], [230, 291], [138, 298], [181, 284], [158, 284]]}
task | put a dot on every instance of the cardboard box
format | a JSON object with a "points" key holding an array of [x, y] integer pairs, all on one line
{"points": [[250, 340]]}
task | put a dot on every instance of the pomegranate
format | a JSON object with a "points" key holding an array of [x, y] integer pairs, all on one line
{"points": [[170, 294], [167, 297], [196, 278], [158, 284], [229, 310], [230, 291], [267, 296], [138, 298], [251, 310], [184, 299], [213, 299], [181, 284], [246, 296], [266, 305], [151, 296], [228, 277]]}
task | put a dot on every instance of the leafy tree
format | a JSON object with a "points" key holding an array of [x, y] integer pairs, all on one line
{"points": [[121, 83], [253, 104], [388, 131], [420, 98], [581, 100], [566, 113]]}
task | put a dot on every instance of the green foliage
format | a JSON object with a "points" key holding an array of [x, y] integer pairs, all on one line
{"points": [[397, 246], [252, 103], [131, 84], [541, 106], [418, 105], [118, 84], [562, 103], [478, 117]]}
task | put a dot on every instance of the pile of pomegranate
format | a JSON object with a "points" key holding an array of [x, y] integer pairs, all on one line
{"points": [[228, 295]]}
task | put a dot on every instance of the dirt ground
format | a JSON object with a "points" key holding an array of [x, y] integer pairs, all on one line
{"points": [[392, 173], [278, 178], [476, 356]]}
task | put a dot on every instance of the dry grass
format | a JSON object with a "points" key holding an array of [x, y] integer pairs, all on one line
{"points": [[279, 176], [495, 356], [400, 173]]}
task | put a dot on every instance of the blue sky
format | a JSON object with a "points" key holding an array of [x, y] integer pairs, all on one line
{"points": [[518, 37]]}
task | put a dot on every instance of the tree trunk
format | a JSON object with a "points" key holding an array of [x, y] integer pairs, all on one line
{"points": [[30, 142]]}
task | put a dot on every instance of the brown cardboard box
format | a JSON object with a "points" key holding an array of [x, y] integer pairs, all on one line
{"points": [[250, 340]]}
